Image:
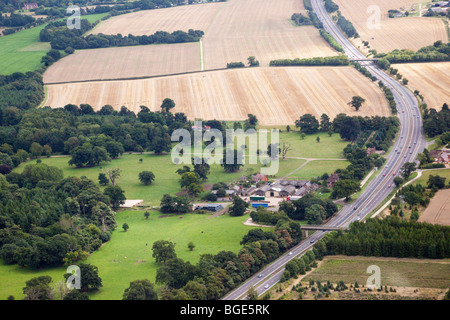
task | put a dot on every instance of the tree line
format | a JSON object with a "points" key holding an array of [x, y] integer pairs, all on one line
{"points": [[436, 122], [316, 61], [439, 51], [391, 237], [61, 37], [90, 137]]}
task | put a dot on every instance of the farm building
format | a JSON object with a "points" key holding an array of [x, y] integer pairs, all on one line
{"points": [[370, 151], [439, 156], [259, 177], [30, 6], [332, 180], [249, 191], [443, 158], [282, 189], [435, 153]]}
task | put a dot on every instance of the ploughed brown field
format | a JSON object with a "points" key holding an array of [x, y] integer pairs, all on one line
{"points": [[438, 211], [394, 33], [431, 79], [125, 62], [277, 96]]}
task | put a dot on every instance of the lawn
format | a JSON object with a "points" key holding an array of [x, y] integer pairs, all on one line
{"points": [[22, 51], [435, 172], [128, 255], [327, 148], [318, 168], [166, 179], [394, 272]]}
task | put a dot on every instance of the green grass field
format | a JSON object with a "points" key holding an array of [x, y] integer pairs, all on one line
{"points": [[435, 172], [22, 51], [327, 148], [166, 179], [318, 168], [128, 255]]}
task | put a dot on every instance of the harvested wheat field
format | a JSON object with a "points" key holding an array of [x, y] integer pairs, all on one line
{"points": [[125, 62], [431, 79], [393, 33], [147, 22], [438, 211], [260, 28], [277, 96]]}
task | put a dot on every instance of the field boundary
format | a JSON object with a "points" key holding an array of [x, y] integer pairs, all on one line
{"points": [[172, 74], [134, 78]]}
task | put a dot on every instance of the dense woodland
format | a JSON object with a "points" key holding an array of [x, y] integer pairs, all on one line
{"points": [[436, 122], [391, 237], [75, 130], [46, 220]]}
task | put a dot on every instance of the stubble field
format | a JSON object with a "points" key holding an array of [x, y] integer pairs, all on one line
{"points": [[260, 28], [147, 22], [277, 96], [394, 33], [438, 211], [431, 79], [125, 62], [233, 30]]}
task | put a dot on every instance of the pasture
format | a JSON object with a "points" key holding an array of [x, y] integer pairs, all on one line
{"points": [[128, 255], [22, 51], [166, 179], [392, 33], [435, 172], [277, 96], [431, 79], [317, 168]]}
